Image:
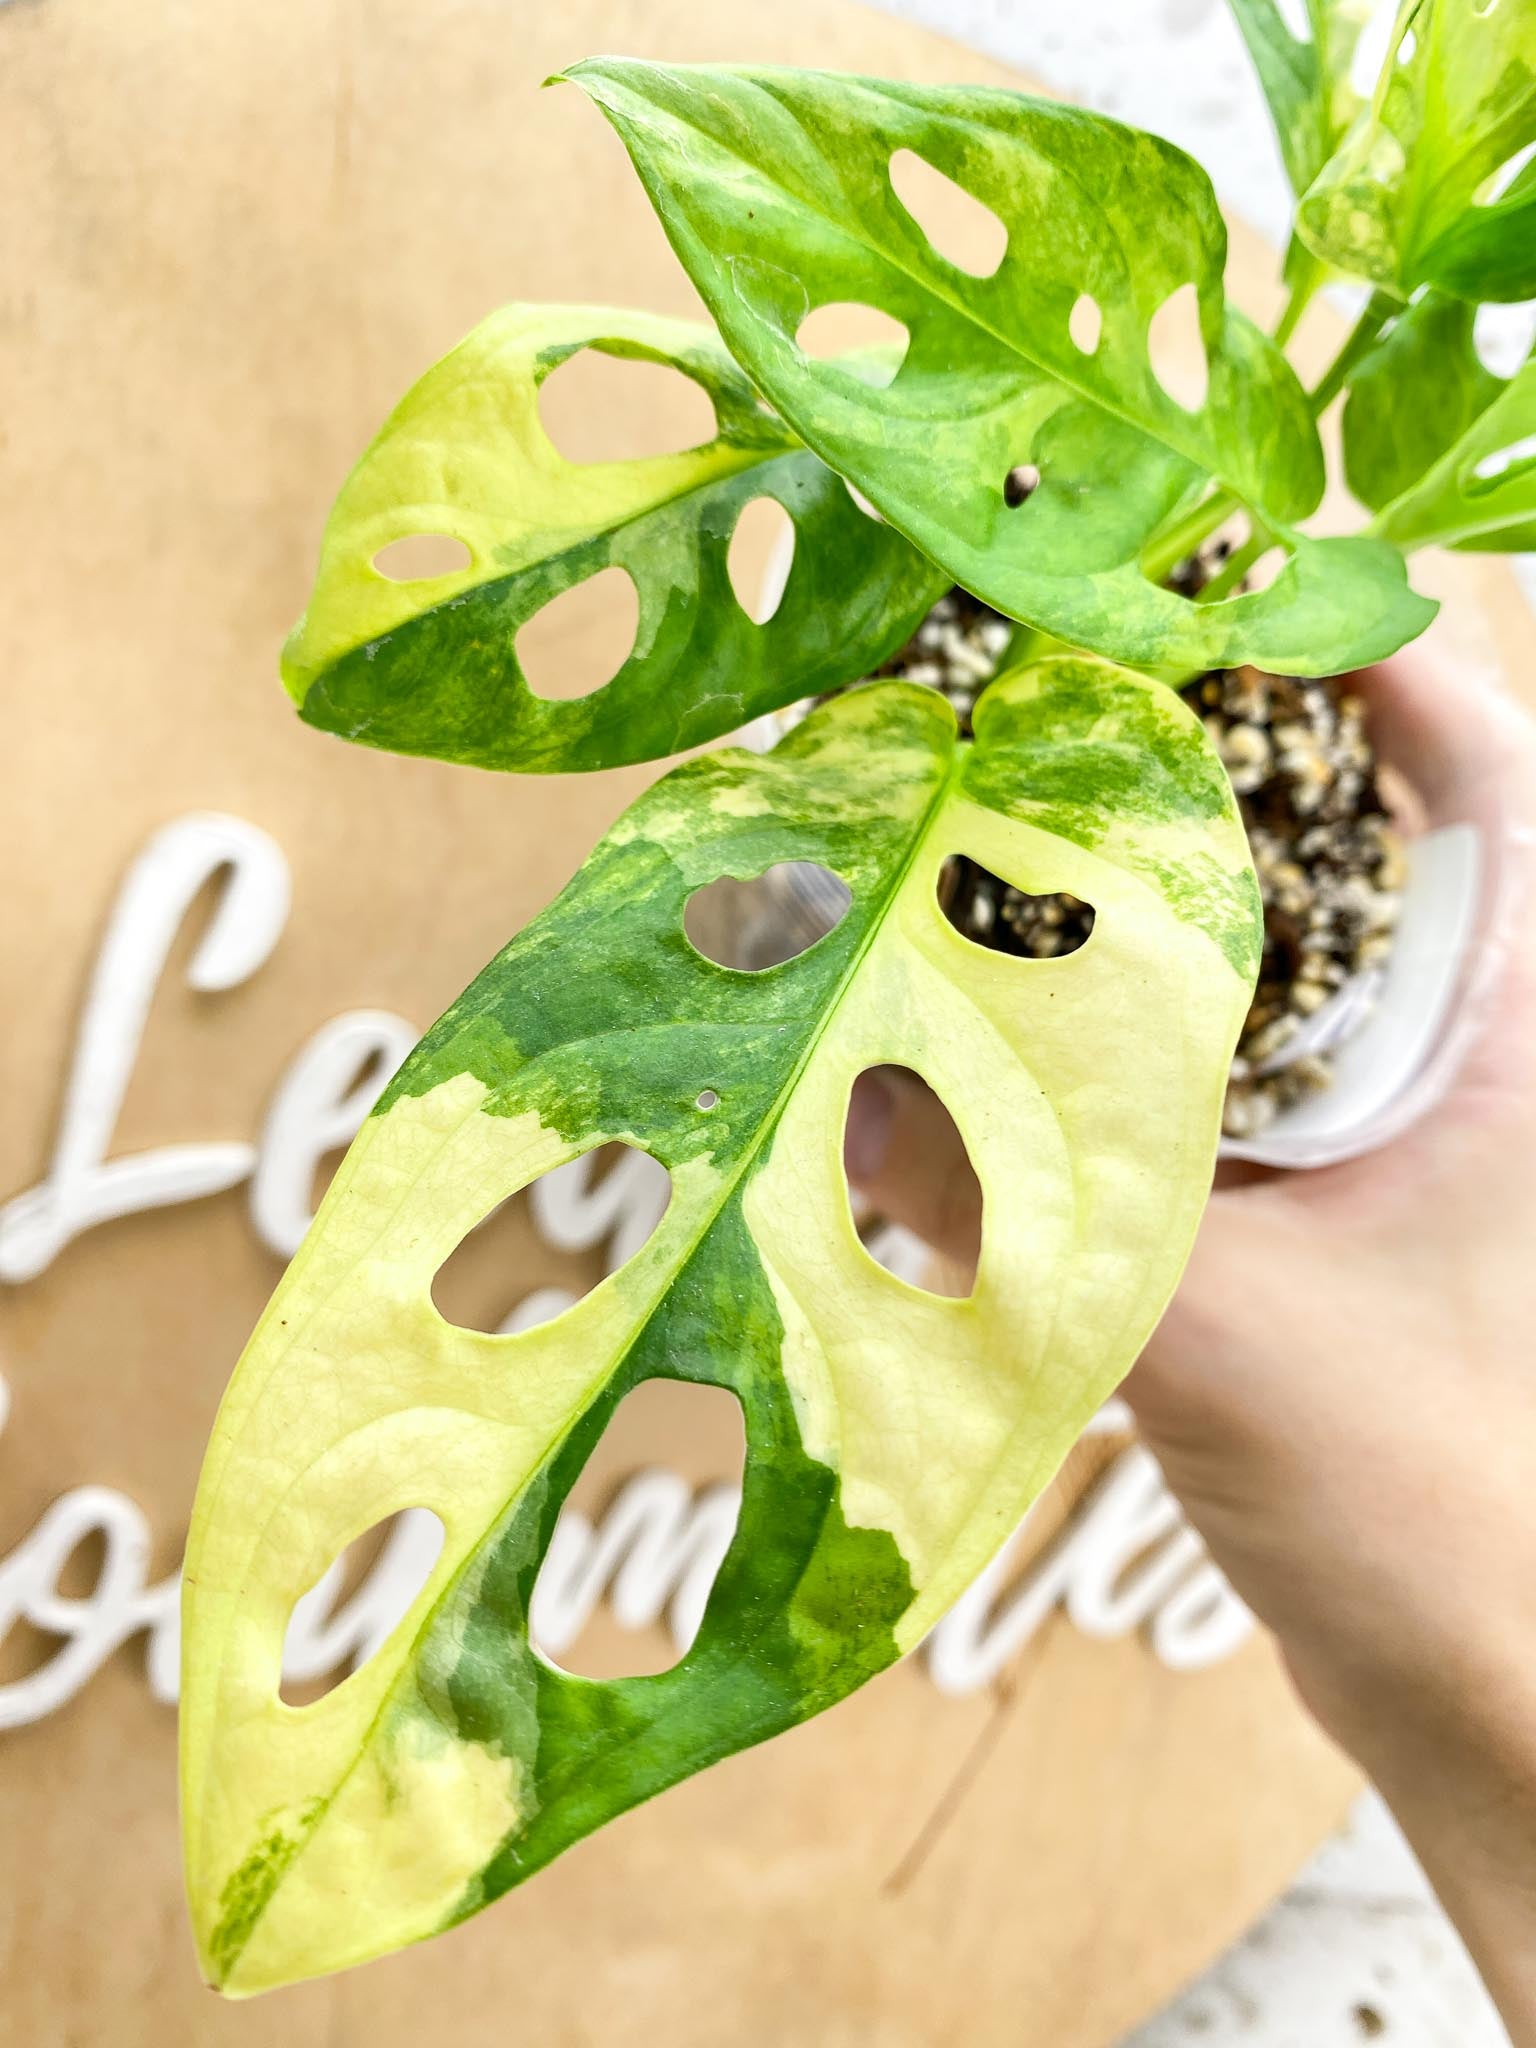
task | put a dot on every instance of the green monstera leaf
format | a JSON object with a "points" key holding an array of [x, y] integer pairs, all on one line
{"points": [[1412, 197], [431, 667], [1481, 493], [1311, 101], [775, 190], [894, 1437], [1413, 401]]}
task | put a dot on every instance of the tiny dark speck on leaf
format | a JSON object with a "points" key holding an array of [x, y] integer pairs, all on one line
{"points": [[1369, 2022]]}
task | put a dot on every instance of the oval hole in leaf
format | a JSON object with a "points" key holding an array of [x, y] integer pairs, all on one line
{"points": [[991, 912], [582, 638], [1503, 337], [1176, 349], [874, 343], [601, 408], [1085, 324], [635, 1550], [419, 557], [899, 1134], [760, 557], [1407, 47], [1502, 465], [1294, 14], [767, 919], [960, 227], [357, 1603], [575, 1224]]}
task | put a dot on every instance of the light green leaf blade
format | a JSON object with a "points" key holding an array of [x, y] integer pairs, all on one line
{"points": [[1405, 201], [1481, 494], [431, 667], [774, 189], [894, 1437], [1413, 397], [1305, 80]]}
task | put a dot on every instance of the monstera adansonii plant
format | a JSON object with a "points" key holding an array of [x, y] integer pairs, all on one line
{"points": [[893, 1437]]}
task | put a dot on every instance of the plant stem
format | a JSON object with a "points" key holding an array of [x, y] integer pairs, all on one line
{"points": [[1171, 543], [1302, 294], [1236, 567], [1379, 310]]}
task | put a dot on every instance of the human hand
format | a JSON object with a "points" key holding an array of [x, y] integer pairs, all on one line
{"points": [[1343, 1393]]}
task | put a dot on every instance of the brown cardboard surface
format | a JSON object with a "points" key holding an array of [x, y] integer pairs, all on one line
{"points": [[231, 236]]}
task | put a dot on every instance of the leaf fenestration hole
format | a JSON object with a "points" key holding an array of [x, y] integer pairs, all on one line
{"points": [[642, 1533], [421, 557], [873, 342], [1020, 484], [574, 1225], [1085, 324], [1502, 465], [1294, 14], [1176, 349], [596, 407], [582, 638], [357, 1603], [707, 1098], [1406, 47], [960, 227], [760, 556], [895, 1118], [1499, 184], [767, 919], [993, 913]]}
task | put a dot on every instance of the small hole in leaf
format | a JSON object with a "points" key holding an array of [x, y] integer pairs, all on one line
{"points": [[870, 511], [1085, 324], [1502, 465], [572, 1226], [420, 557], [959, 226], [873, 344], [357, 1603], [582, 638], [706, 1099], [900, 1135], [1504, 177], [1294, 14], [768, 919], [642, 1533], [1407, 47], [1371, 50], [1504, 336], [993, 913], [760, 557], [601, 408], [1176, 349], [1021, 483]]}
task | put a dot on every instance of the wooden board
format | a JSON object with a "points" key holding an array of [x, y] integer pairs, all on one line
{"points": [[232, 235]]}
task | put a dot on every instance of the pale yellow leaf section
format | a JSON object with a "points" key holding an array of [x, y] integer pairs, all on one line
{"points": [[499, 485], [1088, 1091], [305, 1458]]}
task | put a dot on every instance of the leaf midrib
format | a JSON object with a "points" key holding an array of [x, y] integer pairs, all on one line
{"points": [[766, 1130]]}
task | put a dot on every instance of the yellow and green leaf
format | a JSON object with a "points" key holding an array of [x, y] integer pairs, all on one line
{"points": [[430, 666], [1428, 186], [894, 1437], [775, 190]]}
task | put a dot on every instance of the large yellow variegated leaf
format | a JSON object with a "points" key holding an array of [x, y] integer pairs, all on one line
{"points": [[894, 1438]]}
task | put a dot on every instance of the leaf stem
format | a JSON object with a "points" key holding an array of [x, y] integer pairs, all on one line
{"points": [[1236, 566], [1174, 541], [1378, 311], [1302, 294]]}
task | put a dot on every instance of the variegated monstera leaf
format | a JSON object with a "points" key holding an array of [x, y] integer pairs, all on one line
{"points": [[894, 1437], [429, 664]]}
